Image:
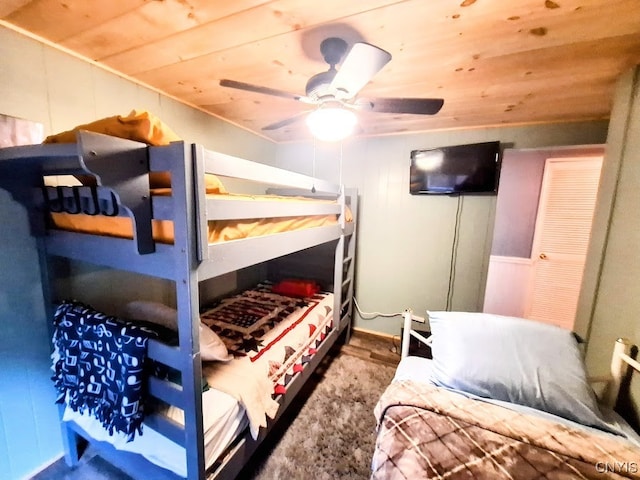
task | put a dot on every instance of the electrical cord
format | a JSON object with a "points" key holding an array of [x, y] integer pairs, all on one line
{"points": [[396, 348], [454, 254], [370, 315]]}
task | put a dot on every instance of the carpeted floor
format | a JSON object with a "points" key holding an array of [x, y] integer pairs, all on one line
{"points": [[328, 434], [333, 435]]}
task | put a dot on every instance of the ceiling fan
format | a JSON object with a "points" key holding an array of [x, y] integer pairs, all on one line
{"points": [[340, 87]]}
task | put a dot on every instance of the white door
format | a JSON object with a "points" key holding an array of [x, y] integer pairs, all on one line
{"points": [[561, 238]]}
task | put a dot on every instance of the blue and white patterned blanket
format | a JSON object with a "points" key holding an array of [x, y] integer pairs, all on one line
{"points": [[98, 364]]}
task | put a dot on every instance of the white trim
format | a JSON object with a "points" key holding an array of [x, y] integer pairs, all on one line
{"points": [[507, 274], [516, 260]]}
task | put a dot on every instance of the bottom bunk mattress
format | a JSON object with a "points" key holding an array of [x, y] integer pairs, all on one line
{"points": [[271, 337], [223, 419], [425, 431]]}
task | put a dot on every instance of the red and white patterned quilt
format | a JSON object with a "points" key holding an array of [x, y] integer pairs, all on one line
{"points": [[271, 337]]}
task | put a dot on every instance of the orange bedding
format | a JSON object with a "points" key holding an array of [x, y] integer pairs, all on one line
{"points": [[145, 127], [219, 230]]}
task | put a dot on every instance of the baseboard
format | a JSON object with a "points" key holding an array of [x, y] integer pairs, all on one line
{"points": [[371, 345], [372, 334], [385, 358]]}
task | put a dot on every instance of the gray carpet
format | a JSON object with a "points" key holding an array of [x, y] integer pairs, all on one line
{"points": [[333, 435], [328, 436]]}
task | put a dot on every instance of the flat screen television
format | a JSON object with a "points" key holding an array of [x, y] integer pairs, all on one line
{"points": [[454, 170]]}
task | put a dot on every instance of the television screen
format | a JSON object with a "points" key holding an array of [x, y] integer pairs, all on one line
{"points": [[472, 168]]}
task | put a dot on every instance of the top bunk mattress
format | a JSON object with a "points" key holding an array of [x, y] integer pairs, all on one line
{"points": [[169, 194], [217, 230]]}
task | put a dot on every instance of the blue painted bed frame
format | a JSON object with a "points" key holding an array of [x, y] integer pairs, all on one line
{"points": [[120, 168]]}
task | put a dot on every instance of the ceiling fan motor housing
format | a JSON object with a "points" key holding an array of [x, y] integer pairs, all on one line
{"points": [[318, 86], [332, 49]]}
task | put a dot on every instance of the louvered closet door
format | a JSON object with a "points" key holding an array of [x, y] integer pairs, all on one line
{"points": [[561, 238]]}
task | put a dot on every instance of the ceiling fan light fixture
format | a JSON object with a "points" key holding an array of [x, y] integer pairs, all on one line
{"points": [[331, 124]]}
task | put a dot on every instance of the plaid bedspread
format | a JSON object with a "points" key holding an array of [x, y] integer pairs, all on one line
{"points": [[428, 432]]}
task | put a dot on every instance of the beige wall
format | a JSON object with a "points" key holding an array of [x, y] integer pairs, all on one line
{"points": [[614, 276], [405, 242]]}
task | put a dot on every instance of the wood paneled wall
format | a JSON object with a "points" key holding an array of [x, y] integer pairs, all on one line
{"points": [[45, 85], [613, 279], [404, 241]]}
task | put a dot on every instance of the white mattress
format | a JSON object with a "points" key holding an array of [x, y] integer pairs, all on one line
{"points": [[223, 419]]}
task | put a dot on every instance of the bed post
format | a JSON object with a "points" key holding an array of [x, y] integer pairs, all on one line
{"points": [[70, 439], [619, 367], [406, 333]]}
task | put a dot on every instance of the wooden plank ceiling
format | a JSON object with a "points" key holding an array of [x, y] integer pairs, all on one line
{"points": [[493, 62]]}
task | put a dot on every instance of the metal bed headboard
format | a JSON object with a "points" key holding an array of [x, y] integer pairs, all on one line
{"points": [[621, 366]]}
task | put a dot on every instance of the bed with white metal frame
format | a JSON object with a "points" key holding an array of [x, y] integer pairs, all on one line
{"points": [[430, 431], [621, 362]]}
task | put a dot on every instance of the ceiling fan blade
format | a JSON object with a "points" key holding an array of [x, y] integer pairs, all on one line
{"points": [[416, 106], [287, 121], [259, 89], [362, 62]]}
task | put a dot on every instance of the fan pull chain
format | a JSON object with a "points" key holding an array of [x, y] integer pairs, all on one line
{"points": [[340, 174], [313, 167]]}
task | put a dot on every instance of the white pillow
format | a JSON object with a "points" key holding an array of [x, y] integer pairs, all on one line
{"points": [[211, 347], [515, 360], [152, 312]]}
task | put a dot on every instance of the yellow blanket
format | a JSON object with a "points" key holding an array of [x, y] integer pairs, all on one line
{"points": [[142, 126], [139, 125], [219, 230]]}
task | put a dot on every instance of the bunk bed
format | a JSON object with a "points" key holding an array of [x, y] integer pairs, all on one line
{"points": [[503, 397], [119, 173]]}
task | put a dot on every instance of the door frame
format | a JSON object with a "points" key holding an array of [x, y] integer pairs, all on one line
{"points": [[610, 170]]}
